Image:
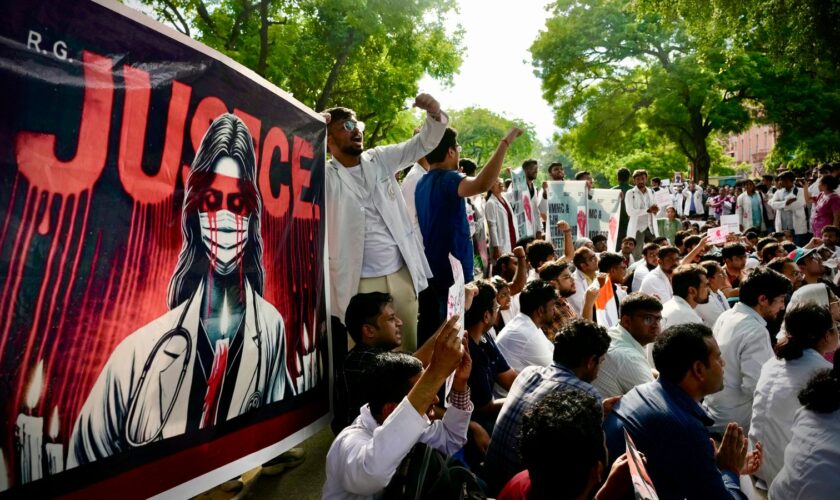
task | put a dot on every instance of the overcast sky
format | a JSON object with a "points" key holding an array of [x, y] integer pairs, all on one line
{"points": [[497, 72]]}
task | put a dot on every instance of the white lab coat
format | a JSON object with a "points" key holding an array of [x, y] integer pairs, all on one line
{"points": [[581, 284], [346, 218], [107, 425], [812, 459], [409, 185], [743, 209], [745, 346], [656, 283], [678, 312], [797, 208], [524, 344], [776, 404], [497, 225], [698, 201], [637, 204]]}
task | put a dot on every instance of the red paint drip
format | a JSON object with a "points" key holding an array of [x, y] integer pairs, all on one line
{"points": [[214, 384], [214, 253]]}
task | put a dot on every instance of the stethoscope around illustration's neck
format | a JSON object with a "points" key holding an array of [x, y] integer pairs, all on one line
{"points": [[178, 331]]}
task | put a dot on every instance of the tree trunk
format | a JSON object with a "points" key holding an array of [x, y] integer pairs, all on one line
{"points": [[340, 61], [262, 61], [702, 160]]}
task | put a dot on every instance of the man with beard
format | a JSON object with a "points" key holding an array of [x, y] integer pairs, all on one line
{"points": [[371, 238], [586, 269], [559, 274], [668, 425], [691, 287], [658, 281], [744, 341], [638, 271]]}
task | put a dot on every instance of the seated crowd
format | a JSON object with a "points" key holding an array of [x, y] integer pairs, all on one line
{"points": [[716, 360]]}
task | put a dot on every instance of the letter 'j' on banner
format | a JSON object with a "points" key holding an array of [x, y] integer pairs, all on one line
{"points": [[163, 316], [567, 201]]}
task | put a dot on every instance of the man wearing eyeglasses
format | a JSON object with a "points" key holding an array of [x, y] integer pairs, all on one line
{"points": [[441, 212], [371, 240], [626, 364]]}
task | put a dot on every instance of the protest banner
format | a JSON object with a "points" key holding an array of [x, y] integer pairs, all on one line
{"points": [[521, 204], [567, 201], [642, 485], [163, 324], [455, 304], [604, 211]]}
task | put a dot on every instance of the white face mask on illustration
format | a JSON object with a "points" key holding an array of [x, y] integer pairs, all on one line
{"points": [[224, 235]]}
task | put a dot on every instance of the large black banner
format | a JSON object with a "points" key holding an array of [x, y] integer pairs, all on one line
{"points": [[162, 306]]}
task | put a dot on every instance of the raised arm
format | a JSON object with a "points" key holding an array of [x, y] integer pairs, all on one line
{"points": [[521, 276], [482, 183]]}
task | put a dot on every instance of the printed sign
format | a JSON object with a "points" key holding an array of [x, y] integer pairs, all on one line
{"points": [[604, 211], [521, 204], [717, 235], [161, 250], [567, 201], [663, 199]]}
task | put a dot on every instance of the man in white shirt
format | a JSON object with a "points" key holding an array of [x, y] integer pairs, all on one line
{"points": [[789, 202], [522, 341], [717, 304], [641, 211], [658, 281], [612, 265], [586, 268], [626, 364], [364, 456], [741, 333], [371, 239], [641, 268], [691, 287]]}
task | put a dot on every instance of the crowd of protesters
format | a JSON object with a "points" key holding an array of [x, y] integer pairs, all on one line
{"points": [[716, 360]]}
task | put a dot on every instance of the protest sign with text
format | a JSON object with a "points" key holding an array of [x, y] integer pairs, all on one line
{"points": [[604, 211], [567, 201]]}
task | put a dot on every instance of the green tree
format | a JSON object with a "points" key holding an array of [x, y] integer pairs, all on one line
{"points": [[368, 55], [796, 41], [610, 72], [480, 130]]}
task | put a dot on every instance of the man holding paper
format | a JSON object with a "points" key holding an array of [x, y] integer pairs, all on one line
{"points": [[641, 210]]}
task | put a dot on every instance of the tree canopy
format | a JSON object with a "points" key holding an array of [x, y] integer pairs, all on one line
{"points": [[480, 130], [611, 72], [368, 55]]}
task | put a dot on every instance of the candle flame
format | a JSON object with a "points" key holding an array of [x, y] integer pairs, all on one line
{"points": [[224, 320], [36, 384], [54, 423]]}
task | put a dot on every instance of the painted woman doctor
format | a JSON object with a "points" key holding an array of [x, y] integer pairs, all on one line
{"points": [[220, 350]]}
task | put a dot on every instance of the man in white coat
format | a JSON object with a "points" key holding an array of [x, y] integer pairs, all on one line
{"points": [[371, 239], [409, 184], [749, 207], [789, 202], [741, 333], [691, 288], [692, 200], [641, 211]]}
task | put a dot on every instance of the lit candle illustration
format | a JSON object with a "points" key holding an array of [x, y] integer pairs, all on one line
{"points": [[54, 449], [29, 431]]}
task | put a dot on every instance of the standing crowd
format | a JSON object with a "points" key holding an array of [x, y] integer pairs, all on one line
{"points": [[716, 360]]}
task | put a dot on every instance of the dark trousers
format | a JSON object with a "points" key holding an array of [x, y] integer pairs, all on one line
{"points": [[431, 311]]}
